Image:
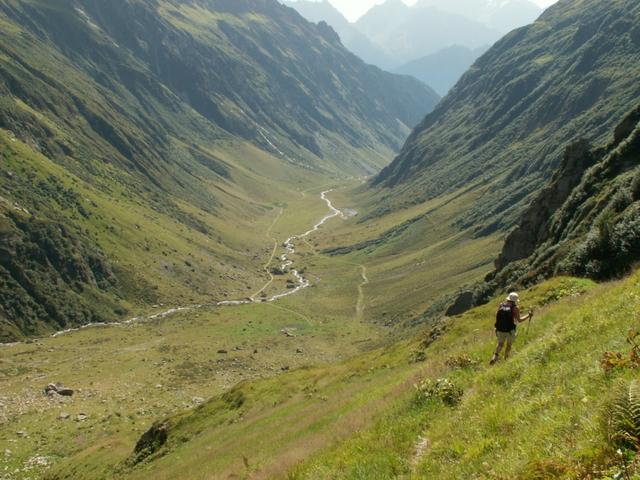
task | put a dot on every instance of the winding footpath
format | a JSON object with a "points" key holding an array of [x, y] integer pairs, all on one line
{"points": [[289, 246], [360, 303]]}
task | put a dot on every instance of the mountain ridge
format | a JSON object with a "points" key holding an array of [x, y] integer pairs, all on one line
{"points": [[507, 119]]}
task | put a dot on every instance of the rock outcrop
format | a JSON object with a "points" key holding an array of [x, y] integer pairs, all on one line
{"points": [[587, 222]]}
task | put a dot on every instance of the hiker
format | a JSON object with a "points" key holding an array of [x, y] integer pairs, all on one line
{"points": [[507, 319]]}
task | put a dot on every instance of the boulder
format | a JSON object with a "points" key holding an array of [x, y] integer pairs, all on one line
{"points": [[54, 389]]}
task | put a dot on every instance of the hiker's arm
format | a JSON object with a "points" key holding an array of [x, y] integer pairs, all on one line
{"points": [[526, 317]]}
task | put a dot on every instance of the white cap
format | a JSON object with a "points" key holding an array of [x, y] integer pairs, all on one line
{"points": [[513, 297]]}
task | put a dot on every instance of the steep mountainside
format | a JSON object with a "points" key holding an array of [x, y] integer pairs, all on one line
{"points": [[351, 37], [587, 221], [134, 133], [407, 33], [442, 69], [502, 129]]}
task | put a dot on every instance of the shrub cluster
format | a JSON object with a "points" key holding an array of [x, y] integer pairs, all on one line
{"points": [[460, 361], [610, 248], [441, 389], [616, 360]]}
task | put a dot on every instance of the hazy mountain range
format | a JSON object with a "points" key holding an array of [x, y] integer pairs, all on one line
{"points": [[434, 40], [441, 70]]}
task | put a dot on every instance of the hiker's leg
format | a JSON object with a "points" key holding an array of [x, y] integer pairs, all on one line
{"points": [[494, 359], [510, 341], [507, 350]]}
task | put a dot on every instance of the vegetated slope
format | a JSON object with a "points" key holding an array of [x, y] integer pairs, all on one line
{"points": [[351, 37], [556, 409], [251, 68], [587, 221], [584, 222], [135, 133], [407, 33], [442, 69], [503, 127], [363, 419]]}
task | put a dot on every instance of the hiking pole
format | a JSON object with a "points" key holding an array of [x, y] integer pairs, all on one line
{"points": [[526, 333]]}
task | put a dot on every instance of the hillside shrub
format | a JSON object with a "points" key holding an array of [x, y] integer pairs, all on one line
{"points": [[616, 360], [610, 248], [417, 356], [441, 389], [460, 361]]}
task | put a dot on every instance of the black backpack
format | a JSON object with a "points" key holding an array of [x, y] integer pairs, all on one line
{"points": [[504, 318]]}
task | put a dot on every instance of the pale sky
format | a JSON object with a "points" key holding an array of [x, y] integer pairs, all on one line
{"points": [[353, 9]]}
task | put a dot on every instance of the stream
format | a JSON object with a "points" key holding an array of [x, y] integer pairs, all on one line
{"points": [[289, 246]]}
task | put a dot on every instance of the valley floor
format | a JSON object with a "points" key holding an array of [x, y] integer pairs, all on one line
{"points": [[128, 376]]}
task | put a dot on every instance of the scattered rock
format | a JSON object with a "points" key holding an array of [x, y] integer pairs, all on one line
{"points": [[197, 400], [221, 351], [36, 462], [299, 350], [285, 368], [287, 333], [64, 416], [81, 417], [53, 389], [21, 433]]}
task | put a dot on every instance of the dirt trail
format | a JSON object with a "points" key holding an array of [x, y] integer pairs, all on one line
{"points": [[360, 304], [273, 254]]}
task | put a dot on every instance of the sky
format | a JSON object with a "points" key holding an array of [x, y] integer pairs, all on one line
{"points": [[353, 9]]}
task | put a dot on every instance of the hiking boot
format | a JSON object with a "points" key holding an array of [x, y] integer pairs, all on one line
{"points": [[493, 360]]}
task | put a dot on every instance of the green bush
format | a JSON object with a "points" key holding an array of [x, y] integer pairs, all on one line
{"points": [[441, 389], [610, 248], [460, 361]]}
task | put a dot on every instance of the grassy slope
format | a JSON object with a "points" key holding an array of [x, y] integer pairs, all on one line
{"points": [[539, 413], [358, 419], [172, 261], [180, 352], [409, 268]]}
